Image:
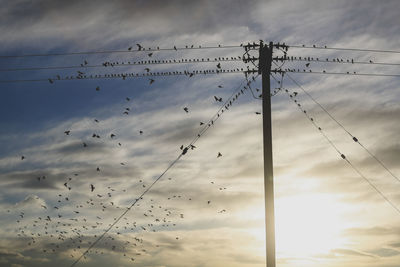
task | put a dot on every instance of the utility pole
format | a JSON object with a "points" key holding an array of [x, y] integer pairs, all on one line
{"points": [[265, 59]]}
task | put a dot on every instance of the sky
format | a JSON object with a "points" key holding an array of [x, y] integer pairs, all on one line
{"points": [[205, 210]]}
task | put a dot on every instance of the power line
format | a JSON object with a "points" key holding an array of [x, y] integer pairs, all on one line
{"points": [[235, 94], [134, 63], [340, 61], [336, 73], [340, 153], [133, 75], [344, 49], [355, 139], [121, 51]]}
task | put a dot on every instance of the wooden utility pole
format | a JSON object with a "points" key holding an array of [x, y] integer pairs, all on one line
{"points": [[265, 59]]}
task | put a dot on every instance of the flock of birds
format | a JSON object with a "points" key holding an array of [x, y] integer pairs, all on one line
{"points": [[68, 226]]}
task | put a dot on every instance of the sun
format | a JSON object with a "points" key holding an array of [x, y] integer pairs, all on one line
{"points": [[307, 225]]}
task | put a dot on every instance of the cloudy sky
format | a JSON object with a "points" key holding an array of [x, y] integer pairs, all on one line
{"points": [[206, 210]]}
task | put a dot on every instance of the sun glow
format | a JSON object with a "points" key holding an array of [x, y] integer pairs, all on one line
{"points": [[307, 225]]}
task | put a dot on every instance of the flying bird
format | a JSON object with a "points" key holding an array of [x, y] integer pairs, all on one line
{"points": [[22, 157], [67, 132], [186, 109], [219, 155], [218, 99], [220, 86], [139, 47], [92, 187], [151, 81], [219, 65], [150, 54], [308, 65], [112, 135]]}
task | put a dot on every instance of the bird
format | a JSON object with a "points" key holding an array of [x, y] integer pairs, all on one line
{"points": [[139, 47], [220, 86], [150, 54], [98, 88], [219, 155], [22, 157], [308, 65], [295, 93], [219, 65], [201, 123], [51, 81], [130, 48], [128, 99], [258, 113], [218, 99], [92, 187], [96, 120], [147, 69], [67, 132], [175, 48], [140, 132], [112, 135], [151, 81], [98, 169], [186, 109]]}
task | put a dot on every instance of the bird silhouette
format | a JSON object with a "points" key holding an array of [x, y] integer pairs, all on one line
{"points": [[128, 99], [201, 123], [218, 99], [112, 135], [67, 132], [308, 65], [139, 47], [22, 157], [151, 81], [186, 109], [219, 155], [219, 65], [147, 69], [220, 86], [98, 169], [150, 54], [140, 132], [92, 187], [130, 48], [257, 113]]}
